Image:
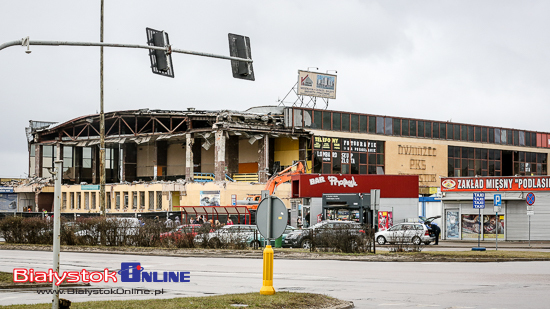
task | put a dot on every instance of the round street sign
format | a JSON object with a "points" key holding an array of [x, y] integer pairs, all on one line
{"points": [[279, 217], [530, 198]]}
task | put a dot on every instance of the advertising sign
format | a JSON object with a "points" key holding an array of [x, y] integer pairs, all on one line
{"points": [[210, 198], [8, 202], [390, 186], [470, 226], [490, 226], [6, 190], [452, 222], [89, 187], [527, 183], [317, 84], [493, 228], [385, 220]]}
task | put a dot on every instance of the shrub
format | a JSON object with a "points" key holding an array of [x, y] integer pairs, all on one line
{"points": [[27, 230], [403, 243], [347, 239]]}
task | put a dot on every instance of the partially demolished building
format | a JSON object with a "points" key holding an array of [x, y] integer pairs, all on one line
{"points": [[157, 159]]}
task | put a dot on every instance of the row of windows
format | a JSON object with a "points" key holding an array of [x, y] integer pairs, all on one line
{"points": [[124, 200], [529, 163], [337, 121], [466, 161], [347, 156], [77, 162]]}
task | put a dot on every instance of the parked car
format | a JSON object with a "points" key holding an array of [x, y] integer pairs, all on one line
{"points": [[427, 222], [125, 228], [408, 232], [237, 233], [260, 240], [182, 230], [303, 238]]}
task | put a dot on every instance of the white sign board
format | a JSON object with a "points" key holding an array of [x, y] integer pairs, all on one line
{"points": [[497, 202], [317, 84]]}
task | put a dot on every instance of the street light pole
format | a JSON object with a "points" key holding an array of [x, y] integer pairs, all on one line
{"points": [[101, 126], [57, 174]]}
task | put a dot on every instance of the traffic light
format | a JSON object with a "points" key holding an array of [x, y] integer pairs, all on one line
{"points": [[161, 61], [239, 46]]}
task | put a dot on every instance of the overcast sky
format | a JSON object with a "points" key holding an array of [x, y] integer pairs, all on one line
{"points": [[478, 62]]}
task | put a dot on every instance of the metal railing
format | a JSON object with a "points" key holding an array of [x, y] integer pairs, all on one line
{"points": [[246, 177], [203, 177]]}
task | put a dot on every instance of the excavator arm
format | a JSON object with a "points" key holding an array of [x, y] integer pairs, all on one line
{"points": [[275, 181], [284, 176]]}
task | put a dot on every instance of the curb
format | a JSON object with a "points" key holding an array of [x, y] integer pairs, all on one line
{"points": [[278, 255], [345, 305]]}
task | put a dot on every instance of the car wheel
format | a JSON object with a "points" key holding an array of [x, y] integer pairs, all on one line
{"points": [[89, 240], [416, 240], [255, 243], [215, 243], [306, 244], [381, 240]]}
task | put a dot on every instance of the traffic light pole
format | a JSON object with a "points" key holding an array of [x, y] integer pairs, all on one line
{"points": [[168, 49], [27, 42], [101, 125]]}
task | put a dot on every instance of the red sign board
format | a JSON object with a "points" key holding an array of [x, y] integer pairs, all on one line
{"points": [[391, 186], [480, 184]]}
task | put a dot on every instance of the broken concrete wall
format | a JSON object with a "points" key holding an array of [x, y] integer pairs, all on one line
{"points": [[145, 160], [176, 160]]}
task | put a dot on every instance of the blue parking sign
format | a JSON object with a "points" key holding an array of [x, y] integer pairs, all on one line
{"points": [[497, 200], [479, 200]]}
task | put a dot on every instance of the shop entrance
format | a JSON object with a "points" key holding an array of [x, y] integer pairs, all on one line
{"points": [[346, 207]]}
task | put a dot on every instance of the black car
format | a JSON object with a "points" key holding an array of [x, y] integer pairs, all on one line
{"points": [[303, 238]]}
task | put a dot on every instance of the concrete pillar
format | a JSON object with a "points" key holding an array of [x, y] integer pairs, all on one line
{"points": [[263, 158], [189, 164], [219, 156], [36, 193], [38, 160], [122, 162], [303, 151], [95, 165], [232, 154]]}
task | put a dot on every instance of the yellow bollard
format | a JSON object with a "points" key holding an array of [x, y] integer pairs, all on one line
{"points": [[267, 288]]}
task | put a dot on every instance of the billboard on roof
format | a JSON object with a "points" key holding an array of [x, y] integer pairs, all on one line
{"points": [[317, 84]]}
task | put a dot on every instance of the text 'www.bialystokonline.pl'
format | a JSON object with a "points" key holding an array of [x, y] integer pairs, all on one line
{"points": [[111, 291]]}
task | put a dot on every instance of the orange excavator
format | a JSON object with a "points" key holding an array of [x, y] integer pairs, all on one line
{"points": [[252, 200]]}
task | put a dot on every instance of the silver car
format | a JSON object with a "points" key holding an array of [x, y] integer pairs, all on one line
{"points": [[227, 234], [416, 233]]}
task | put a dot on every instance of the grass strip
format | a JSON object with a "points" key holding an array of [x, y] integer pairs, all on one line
{"points": [[252, 300]]}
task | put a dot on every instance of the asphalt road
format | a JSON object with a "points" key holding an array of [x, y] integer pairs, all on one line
{"points": [[367, 284]]}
